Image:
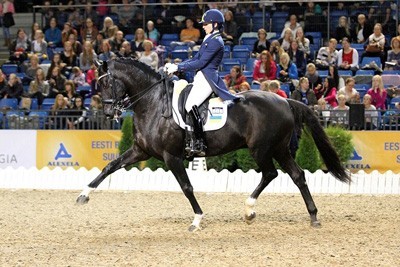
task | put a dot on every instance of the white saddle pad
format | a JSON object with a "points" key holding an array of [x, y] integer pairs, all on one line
{"points": [[216, 115]]}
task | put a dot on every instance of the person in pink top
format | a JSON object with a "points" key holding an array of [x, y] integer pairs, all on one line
{"points": [[264, 68], [6, 10], [378, 93], [330, 92]]}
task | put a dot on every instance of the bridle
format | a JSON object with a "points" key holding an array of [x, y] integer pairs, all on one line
{"points": [[121, 105]]}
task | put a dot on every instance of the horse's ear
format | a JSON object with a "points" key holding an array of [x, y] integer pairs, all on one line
{"points": [[98, 63], [104, 66]]}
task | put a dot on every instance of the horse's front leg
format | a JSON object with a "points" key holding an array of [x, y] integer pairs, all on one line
{"points": [[175, 164], [131, 156]]}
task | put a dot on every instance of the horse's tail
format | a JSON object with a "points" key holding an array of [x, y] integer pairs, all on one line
{"points": [[304, 114]]}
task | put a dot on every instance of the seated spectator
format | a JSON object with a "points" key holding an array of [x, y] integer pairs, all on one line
{"points": [[126, 12], [116, 41], [39, 45], [13, 88], [137, 43], [327, 55], [235, 81], [292, 25], [95, 110], [76, 19], [275, 87], [3, 81], [20, 48], [33, 67], [347, 57], [315, 81], [343, 30], [286, 40], [34, 28], [393, 56], [148, 56], [230, 33], [89, 31], [87, 57], [261, 44], [152, 33], [76, 45], [329, 94], [362, 29], [109, 29], [126, 50], [303, 42], [39, 88], [378, 93], [59, 113], [163, 16], [68, 29], [106, 53], [276, 50], [78, 115], [376, 44], [312, 9], [334, 73], [56, 82], [298, 58], [323, 111], [264, 68], [339, 116], [97, 44], [189, 36], [304, 94], [371, 115], [351, 95], [56, 62], [78, 77], [53, 34], [70, 93], [286, 70], [68, 57], [380, 12]]}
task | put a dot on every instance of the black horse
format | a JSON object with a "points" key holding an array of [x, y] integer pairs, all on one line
{"points": [[262, 122]]}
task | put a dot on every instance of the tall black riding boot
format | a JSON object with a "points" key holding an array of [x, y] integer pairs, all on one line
{"points": [[199, 146]]}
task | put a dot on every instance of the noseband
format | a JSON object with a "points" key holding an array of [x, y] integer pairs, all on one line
{"points": [[122, 105]]}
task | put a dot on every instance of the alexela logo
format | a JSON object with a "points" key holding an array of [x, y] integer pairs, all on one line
{"points": [[63, 154], [358, 166]]}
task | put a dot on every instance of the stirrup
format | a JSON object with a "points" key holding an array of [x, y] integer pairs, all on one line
{"points": [[199, 148]]}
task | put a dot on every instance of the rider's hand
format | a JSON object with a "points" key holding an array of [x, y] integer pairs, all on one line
{"points": [[170, 68]]}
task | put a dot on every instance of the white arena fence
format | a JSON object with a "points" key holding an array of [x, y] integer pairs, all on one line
{"points": [[202, 181]]}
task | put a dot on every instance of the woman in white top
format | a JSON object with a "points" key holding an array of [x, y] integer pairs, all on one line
{"points": [[347, 57], [148, 56], [351, 94], [376, 40], [304, 43]]}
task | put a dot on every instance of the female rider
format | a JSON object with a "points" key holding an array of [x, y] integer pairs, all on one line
{"points": [[206, 80]]}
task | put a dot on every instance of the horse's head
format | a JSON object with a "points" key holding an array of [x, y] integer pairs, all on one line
{"points": [[112, 89]]}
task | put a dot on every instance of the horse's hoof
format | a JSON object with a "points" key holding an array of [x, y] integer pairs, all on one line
{"points": [[316, 224], [249, 219], [194, 228], [82, 200]]}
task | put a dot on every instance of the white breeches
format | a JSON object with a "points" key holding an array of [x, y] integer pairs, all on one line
{"points": [[200, 91]]}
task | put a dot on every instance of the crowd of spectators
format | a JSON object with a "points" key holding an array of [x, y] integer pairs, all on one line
{"points": [[57, 57]]}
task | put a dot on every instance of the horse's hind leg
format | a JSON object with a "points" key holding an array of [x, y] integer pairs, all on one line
{"points": [[175, 164], [131, 156], [268, 174], [288, 164]]}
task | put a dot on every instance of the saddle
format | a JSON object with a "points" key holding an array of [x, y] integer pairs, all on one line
{"points": [[203, 108]]}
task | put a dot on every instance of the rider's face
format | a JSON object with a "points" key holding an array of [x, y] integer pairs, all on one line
{"points": [[207, 27]]}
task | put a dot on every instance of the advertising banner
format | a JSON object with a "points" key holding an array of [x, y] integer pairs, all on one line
{"points": [[17, 148], [375, 151], [76, 149]]}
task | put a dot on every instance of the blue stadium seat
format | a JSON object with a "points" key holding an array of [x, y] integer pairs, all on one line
{"points": [[228, 63], [365, 72], [40, 116], [86, 102], [323, 73], [391, 72], [250, 64], [9, 103], [259, 21], [182, 54], [7, 69], [248, 40], [394, 101], [48, 103], [129, 37], [167, 38], [227, 51], [83, 89], [345, 73], [279, 19], [286, 87], [255, 86], [368, 60]]}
